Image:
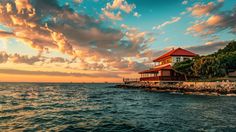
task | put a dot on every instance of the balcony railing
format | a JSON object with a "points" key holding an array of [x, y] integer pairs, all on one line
{"points": [[163, 78]]}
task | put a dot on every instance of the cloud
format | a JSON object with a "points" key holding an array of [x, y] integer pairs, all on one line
{"points": [[78, 1], [8, 7], [208, 48], [21, 5], [58, 60], [112, 15], [3, 44], [185, 2], [215, 23], [166, 40], [45, 25], [205, 49], [121, 5], [173, 20], [16, 58], [136, 14], [5, 34], [3, 57], [129, 65], [30, 60], [52, 73], [201, 9], [135, 36]]}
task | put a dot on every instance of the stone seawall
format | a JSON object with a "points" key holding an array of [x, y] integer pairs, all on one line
{"points": [[224, 84], [200, 88]]}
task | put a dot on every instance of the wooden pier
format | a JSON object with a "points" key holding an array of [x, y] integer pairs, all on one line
{"points": [[131, 80]]}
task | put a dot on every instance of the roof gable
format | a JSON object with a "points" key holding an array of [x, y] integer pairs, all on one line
{"points": [[175, 52]]}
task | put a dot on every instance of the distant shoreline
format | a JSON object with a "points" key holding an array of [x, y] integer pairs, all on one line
{"points": [[68, 82]]}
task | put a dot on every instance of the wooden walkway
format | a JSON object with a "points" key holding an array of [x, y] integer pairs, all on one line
{"points": [[131, 80]]}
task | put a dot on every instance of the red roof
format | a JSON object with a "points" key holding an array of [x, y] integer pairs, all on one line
{"points": [[175, 52], [156, 69]]}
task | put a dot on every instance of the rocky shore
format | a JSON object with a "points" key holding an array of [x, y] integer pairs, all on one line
{"points": [[228, 89]]}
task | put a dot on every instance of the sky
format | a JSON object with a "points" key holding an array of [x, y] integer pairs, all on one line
{"points": [[105, 40]]}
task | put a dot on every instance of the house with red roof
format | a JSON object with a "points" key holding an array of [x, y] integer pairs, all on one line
{"points": [[162, 71]]}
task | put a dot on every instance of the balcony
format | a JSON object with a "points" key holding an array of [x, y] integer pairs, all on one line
{"points": [[163, 78]]}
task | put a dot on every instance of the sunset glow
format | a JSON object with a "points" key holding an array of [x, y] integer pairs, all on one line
{"points": [[104, 40]]}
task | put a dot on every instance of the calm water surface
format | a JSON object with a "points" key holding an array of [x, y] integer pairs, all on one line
{"points": [[97, 107]]}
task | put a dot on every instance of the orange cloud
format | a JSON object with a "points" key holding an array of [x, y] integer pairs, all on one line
{"points": [[90, 45], [217, 20], [111, 15], [201, 9], [120, 4], [214, 20], [23, 4]]}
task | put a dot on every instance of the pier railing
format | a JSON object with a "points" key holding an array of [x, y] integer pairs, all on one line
{"points": [[130, 80]]}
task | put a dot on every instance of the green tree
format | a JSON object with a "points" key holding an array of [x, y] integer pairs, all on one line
{"points": [[218, 64], [184, 68]]}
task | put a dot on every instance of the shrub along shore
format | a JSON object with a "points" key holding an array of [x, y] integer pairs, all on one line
{"points": [[197, 88]]}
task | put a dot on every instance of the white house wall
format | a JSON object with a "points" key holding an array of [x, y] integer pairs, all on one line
{"points": [[174, 59]]}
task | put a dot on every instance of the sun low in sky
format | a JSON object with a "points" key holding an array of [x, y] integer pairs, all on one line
{"points": [[104, 40]]}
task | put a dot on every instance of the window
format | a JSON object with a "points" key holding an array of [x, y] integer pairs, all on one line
{"points": [[178, 59], [186, 59]]}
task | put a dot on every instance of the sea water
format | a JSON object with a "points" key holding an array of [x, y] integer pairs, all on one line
{"points": [[101, 107]]}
